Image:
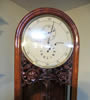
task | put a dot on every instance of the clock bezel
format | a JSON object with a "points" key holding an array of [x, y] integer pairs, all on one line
{"points": [[26, 55], [20, 28]]}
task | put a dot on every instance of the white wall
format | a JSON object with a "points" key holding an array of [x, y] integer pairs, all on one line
{"points": [[81, 16], [10, 15]]}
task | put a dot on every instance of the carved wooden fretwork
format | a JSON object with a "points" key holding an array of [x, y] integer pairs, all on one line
{"points": [[32, 74]]}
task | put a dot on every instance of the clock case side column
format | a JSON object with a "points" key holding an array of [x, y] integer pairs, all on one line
{"points": [[17, 70], [75, 65]]}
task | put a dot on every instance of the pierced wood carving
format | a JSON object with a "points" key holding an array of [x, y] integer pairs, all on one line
{"points": [[32, 74]]}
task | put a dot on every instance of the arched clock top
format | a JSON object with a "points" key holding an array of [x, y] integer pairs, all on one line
{"points": [[52, 11]]}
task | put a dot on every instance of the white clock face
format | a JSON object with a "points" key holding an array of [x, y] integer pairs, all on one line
{"points": [[47, 41]]}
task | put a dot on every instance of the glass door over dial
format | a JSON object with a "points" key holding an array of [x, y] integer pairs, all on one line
{"points": [[47, 41]]}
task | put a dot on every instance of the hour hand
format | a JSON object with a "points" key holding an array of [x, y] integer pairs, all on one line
{"points": [[58, 43]]}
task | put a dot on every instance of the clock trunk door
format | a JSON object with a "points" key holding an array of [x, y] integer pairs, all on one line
{"points": [[51, 92]]}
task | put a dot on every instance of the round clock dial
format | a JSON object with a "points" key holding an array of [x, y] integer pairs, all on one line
{"points": [[47, 41]]}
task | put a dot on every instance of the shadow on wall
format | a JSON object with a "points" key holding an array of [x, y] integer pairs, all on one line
{"points": [[2, 22], [83, 91], [2, 75]]}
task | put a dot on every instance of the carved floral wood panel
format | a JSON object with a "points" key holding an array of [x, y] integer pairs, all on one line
{"points": [[32, 74]]}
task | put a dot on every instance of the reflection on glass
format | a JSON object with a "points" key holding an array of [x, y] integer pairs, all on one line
{"points": [[69, 45], [40, 45], [38, 35]]}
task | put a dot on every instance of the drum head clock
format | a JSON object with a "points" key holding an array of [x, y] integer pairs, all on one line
{"points": [[46, 56]]}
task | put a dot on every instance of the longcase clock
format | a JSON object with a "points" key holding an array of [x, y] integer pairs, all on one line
{"points": [[46, 56]]}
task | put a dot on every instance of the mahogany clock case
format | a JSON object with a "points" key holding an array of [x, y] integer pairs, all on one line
{"points": [[35, 83]]}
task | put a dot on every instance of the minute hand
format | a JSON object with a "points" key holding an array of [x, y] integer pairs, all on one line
{"points": [[52, 30]]}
